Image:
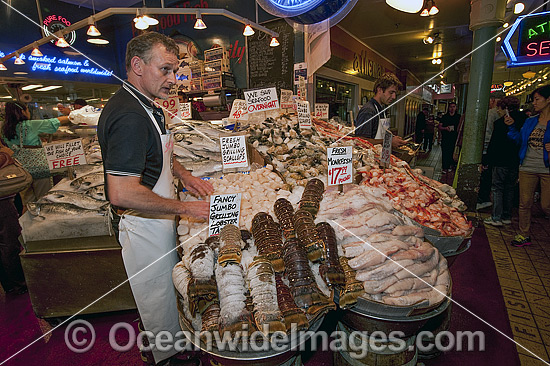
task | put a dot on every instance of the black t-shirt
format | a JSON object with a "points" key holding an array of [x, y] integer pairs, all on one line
{"points": [[366, 123], [448, 120], [130, 143]]}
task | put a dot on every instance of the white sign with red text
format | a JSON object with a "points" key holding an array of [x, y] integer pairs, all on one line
{"points": [[171, 105], [65, 154], [286, 99], [261, 100], [239, 111], [340, 165], [225, 209], [186, 111], [321, 110], [304, 115], [234, 154]]}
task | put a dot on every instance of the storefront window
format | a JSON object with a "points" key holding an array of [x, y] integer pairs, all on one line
{"points": [[338, 96]]}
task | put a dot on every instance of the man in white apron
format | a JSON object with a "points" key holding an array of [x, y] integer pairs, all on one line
{"points": [[139, 168], [371, 121]]}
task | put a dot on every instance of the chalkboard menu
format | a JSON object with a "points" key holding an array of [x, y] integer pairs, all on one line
{"points": [[271, 66]]}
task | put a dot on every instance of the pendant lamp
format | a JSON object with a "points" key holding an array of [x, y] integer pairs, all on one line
{"points": [[407, 6]]}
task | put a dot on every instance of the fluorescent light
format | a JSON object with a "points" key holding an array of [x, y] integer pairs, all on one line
{"points": [[33, 86], [47, 88], [407, 6], [98, 41], [6, 97]]}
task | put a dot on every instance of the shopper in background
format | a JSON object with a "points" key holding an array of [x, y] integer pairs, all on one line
{"points": [[77, 104], [429, 133], [534, 147], [503, 156], [420, 126], [437, 122], [369, 123], [12, 278], [18, 124], [448, 129], [485, 179], [137, 156]]}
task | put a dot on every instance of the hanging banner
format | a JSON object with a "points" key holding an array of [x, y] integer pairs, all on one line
{"points": [[261, 100], [340, 165], [321, 110], [225, 209], [65, 154], [234, 154], [304, 115]]}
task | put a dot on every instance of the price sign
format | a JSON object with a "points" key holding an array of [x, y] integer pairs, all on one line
{"points": [[302, 88], [186, 111], [304, 115], [225, 209], [340, 165], [171, 105], [386, 148], [286, 99], [321, 110], [239, 112], [65, 154], [261, 100], [234, 153]]}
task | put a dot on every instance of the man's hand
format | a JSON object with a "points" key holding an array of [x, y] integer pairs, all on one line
{"points": [[397, 141], [199, 209], [196, 185]]}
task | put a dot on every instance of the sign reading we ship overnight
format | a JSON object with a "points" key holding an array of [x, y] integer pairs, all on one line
{"points": [[340, 165], [225, 209], [65, 154], [234, 153], [261, 100]]}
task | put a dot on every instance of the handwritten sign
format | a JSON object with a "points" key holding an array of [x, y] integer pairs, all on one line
{"points": [[186, 111], [261, 100], [386, 148], [321, 110], [302, 88], [340, 165], [286, 99], [225, 209], [304, 116], [171, 105], [239, 111], [234, 153], [65, 154]]}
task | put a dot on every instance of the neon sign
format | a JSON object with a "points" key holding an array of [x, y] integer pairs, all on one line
{"points": [[55, 23], [533, 40]]}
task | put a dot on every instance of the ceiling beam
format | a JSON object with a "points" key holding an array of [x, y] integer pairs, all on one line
{"points": [[131, 11]]}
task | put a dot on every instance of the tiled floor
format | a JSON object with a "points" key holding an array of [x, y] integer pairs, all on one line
{"points": [[524, 275]]}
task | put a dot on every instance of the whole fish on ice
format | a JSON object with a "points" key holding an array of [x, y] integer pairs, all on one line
{"points": [[44, 209], [74, 198], [88, 181]]}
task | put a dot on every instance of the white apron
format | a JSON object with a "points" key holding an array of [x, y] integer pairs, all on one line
{"points": [[383, 124], [144, 239]]}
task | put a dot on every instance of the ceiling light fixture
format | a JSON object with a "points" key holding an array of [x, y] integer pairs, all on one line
{"points": [[32, 86], [199, 23], [508, 83], [35, 51], [248, 31], [425, 13], [61, 43], [505, 25], [18, 60], [407, 6], [518, 8], [528, 74], [3, 68], [92, 30], [97, 41], [48, 88], [428, 40], [274, 42], [150, 20], [498, 39], [433, 10]]}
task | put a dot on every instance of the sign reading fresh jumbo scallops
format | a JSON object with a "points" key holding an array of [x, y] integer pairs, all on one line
{"points": [[261, 100]]}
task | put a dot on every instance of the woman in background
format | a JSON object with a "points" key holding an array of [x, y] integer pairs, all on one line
{"points": [[534, 146], [18, 123]]}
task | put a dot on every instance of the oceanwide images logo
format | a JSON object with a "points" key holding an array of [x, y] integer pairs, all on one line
{"points": [[80, 337]]}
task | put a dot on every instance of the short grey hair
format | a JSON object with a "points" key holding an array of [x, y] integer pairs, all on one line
{"points": [[142, 45]]}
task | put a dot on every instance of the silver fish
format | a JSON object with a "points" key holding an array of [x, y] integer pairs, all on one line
{"points": [[97, 192], [43, 209], [74, 198], [88, 181]]}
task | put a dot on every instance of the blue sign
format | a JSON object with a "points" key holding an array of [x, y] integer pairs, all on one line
{"points": [[533, 40], [309, 11]]}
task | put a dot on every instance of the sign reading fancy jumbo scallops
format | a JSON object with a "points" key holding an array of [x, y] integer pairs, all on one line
{"points": [[261, 100], [234, 153]]}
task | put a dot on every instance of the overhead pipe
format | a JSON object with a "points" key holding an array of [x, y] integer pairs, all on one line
{"points": [[132, 11]]}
